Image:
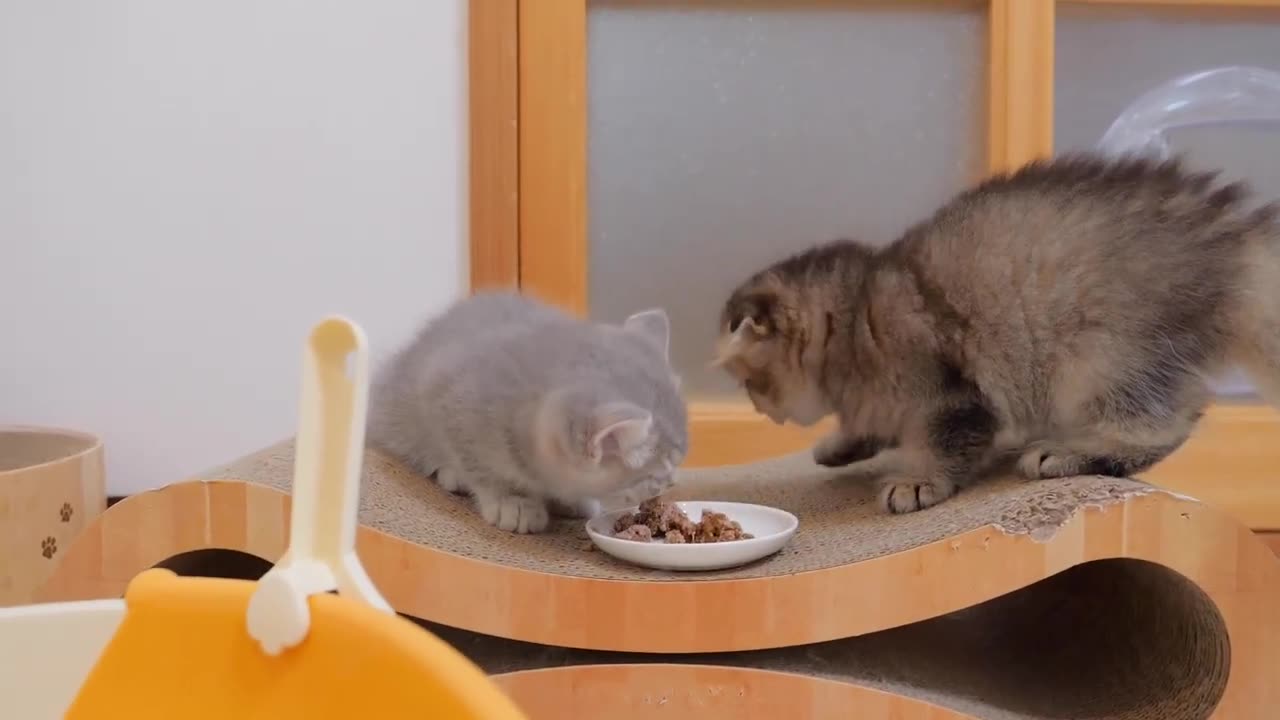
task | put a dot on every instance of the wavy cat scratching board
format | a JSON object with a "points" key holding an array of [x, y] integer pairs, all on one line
{"points": [[1083, 597]]}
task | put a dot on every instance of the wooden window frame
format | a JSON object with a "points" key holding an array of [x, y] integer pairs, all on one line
{"points": [[528, 213]]}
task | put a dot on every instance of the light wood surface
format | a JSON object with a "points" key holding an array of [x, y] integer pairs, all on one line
{"points": [[1232, 461], [1020, 82], [1271, 540], [1208, 4], [494, 143], [1236, 569], [553, 151], [728, 433], [51, 485], [706, 692]]}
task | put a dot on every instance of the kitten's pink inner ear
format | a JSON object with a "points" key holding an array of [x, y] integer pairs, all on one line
{"points": [[623, 438]]}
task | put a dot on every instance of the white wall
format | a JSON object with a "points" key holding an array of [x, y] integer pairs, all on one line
{"points": [[185, 187]]}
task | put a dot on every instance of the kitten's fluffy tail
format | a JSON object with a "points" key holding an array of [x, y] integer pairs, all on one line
{"points": [[1257, 327]]}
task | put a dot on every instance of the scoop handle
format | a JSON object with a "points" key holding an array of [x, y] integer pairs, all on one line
{"points": [[328, 454]]}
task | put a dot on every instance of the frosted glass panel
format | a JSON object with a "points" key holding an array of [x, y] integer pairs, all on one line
{"points": [[724, 135], [1107, 57]]}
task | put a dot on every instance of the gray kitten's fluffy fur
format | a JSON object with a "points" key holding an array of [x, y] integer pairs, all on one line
{"points": [[1066, 316], [530, 410]]}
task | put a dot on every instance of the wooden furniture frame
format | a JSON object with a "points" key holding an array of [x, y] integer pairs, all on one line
{"points": [[529, 212]]}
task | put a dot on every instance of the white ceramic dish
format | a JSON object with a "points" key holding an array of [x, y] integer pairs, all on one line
{"points": [[771, 527]]}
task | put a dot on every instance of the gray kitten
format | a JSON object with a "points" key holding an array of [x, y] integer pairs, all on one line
{"points": [[1067, 316], [531, 410]]}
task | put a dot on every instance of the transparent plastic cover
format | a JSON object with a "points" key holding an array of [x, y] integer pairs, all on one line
{"points": [[1220, 97], [1224, 96]]}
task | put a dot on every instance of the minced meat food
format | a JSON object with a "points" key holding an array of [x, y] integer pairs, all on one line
{"points": [[657, 519]]}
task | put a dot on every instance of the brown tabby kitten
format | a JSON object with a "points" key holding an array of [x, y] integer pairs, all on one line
{"points": [[1069, 315]]}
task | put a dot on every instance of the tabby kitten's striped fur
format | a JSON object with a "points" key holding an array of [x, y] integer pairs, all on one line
{"points": [[1067, 316]]}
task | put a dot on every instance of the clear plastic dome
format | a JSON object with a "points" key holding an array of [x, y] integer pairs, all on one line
{"points": [[1220, 97], [1224, 97]]}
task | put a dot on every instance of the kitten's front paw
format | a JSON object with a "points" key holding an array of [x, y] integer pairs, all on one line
{"points": [[515, 513], [1042, 464], [906, 495], [448, 479]]}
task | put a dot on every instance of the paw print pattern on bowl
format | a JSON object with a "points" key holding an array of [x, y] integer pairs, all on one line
{"points": [[49, 547], [66, 511]]}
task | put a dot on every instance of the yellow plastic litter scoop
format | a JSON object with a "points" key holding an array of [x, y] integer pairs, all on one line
{"points": [[195, 648]]}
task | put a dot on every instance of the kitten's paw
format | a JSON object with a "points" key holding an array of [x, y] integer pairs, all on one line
{"points": [[1029, 464], [585, 509], [1042, 464], [449, 479], [908, 495], [515, 513]]}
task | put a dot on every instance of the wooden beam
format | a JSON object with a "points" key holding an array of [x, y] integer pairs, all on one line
{"points": [[494, 143], [553, 151], [1020, 67]]}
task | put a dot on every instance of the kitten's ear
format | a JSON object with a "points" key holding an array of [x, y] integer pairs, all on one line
{"points": [[652, 324], [622, 431], [747, 319], [736, 342], [751, 312]]}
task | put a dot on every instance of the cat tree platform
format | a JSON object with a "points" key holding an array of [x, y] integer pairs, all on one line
{"points": [[1083, 597]]}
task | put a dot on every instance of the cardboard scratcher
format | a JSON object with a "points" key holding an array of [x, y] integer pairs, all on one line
{"points": [[1084, 597]]}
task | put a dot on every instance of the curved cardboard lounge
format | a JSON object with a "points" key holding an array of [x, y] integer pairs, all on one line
{"points": [[1097, 597]]}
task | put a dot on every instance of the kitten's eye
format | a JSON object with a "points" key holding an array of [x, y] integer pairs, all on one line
{"points": [[756, 385]]}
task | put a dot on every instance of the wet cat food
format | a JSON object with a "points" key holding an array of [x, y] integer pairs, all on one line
{"points": [[642, 533], [657, 519]]}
